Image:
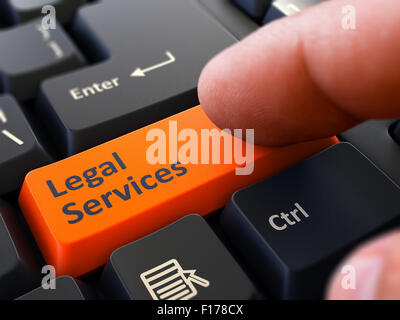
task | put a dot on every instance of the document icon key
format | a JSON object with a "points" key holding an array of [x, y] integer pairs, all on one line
{"points": [[183, 261], [168, 281]]}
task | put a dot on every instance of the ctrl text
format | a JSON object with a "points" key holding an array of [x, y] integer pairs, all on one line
{"points": [[281, 221]]}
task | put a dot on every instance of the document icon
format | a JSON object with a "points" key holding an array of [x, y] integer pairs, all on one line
{"points": [[168, 281]]}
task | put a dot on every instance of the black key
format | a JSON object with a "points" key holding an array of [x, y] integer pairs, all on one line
{"points": [[373, 139], [254, 8], [396, 132], [284, 8], [296, 226], [233, 19], [30, 54], [156, 50], [19, 270], [182, 261], [20, 150], [66, 288], [24, 10]]}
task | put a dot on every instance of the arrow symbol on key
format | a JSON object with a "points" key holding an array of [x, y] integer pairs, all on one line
{"points": [[10, 136], [7, 133], [142, 72], [3, 118]]}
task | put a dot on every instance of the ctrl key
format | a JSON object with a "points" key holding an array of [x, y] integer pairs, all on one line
{"points": [[296, 226], [183, 261]]}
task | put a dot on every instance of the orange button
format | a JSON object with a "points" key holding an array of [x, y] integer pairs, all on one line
{"points": [[82, 208]]}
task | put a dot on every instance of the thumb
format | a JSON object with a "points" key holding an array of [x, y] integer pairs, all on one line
{"points": [[376, 270], [306, 77]]}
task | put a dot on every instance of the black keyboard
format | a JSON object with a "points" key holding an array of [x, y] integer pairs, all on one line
{"points": [[84, 216]]}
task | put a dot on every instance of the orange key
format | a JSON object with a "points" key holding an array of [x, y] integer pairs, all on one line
{"points": [[82, 208]]}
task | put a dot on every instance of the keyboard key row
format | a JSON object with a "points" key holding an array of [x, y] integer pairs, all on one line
{"points": [[147, 76], [296, 226], [92, 203], [292, 229]]}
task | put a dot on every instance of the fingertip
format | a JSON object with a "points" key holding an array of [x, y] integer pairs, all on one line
{"points": [[304, 77], [212, 88], [204, 90]]}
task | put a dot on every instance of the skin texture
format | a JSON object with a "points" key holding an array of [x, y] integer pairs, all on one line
{"points": [[305, 77]]}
